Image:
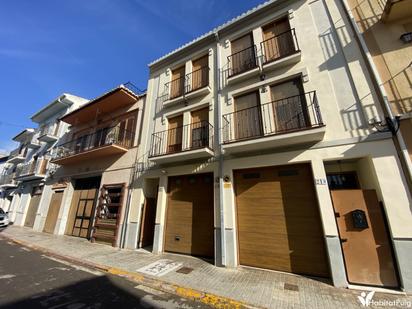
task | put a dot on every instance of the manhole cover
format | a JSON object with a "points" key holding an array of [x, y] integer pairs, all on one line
{"points": [[184, 270], [291, 287]]}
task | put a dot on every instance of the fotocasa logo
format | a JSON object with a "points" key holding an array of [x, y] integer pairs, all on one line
{"points": [[365, 299]]}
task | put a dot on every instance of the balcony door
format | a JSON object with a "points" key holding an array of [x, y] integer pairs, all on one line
{"points": [[289, 106], [200, 73], [178, 82], [126, 131], [174, 134], [200, 128], [248, 116], [101, 137], [243, 54], [277, 40]]}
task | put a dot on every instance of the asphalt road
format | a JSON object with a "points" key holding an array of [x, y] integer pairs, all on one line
{"points": [[29, 279]]}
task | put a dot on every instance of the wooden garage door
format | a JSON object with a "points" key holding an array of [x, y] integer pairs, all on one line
{"points": [[189, 219], [53, 212], [33, 206], [278, 220], [83, 205]]}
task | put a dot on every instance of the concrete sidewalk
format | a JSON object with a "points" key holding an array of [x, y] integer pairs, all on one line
{"points": [[197, 279]]}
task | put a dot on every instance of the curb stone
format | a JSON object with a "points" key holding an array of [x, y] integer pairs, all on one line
{"points": [[213, 300]]}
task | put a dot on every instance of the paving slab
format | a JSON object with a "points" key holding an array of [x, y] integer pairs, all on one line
{"points": [[248, 286]]}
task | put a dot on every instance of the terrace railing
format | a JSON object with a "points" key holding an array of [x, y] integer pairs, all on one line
{"points": [[285, 115]]}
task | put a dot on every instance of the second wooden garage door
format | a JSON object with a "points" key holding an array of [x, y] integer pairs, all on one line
{"points": [[53, 212], [33, 206], [189, 219], [279, 224]]}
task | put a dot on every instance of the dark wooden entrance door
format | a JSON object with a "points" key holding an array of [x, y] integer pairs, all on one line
{"points": [[83, 207], [365, 242], [148, 222]]}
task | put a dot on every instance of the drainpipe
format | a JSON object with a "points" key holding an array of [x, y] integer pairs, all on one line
{"points": [[122, 240], [405, 158], [217, 130]]}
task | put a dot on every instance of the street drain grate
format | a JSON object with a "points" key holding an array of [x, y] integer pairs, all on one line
{"points": [[184, 270], [291, 287]]}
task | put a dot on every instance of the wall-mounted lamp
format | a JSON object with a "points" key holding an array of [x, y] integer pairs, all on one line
{"points": [[390, 125], [406, 37], [263, 89]]}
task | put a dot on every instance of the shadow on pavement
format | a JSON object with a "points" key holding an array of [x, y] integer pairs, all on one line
{"points": [[98, 292]]}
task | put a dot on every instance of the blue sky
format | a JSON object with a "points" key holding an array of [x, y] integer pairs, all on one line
{"points": [[87, 47]]}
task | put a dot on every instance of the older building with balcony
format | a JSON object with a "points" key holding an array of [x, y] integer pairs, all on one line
{"points": [[274, 165], [31, 172], [7, 182], [92, 166]]}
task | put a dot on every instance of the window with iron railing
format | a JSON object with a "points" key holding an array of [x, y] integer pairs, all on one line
{"points": [[188, 83], [50, 129], [242, 61], [284, 115], [279, 46], [183, 138], [34, 167]]}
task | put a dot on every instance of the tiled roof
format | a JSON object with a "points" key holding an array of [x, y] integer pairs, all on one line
{"points": [[215, 30]]}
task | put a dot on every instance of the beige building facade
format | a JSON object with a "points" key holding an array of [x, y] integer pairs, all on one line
{"points": [[257, 151], [88, 188]]}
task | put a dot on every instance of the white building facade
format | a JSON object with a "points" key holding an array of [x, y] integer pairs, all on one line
{"points": [[31, 172], [257, 151]]}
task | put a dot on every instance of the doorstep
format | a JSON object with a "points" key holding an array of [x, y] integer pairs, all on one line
{"points": [[195, 278]]}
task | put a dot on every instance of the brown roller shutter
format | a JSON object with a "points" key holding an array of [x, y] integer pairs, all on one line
{"points": [[278, 220], [189, 219]]}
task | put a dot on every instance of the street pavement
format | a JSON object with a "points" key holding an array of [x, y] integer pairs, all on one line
{"points": [[29, 279]]}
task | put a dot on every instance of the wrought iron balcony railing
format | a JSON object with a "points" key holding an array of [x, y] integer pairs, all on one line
{"points": [[101, 138], [50, 129], [7, 179], [290, 114], [188, 137], [18, 152], [279, 46], [197, 79], [242, 61], [35, 167], [190, 82], [175, 88]]}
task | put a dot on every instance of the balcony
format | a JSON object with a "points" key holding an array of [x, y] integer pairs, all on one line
{"points": [[188, 142], [33, 143], [49, 133], [17, 155], [282, 49], [397, 10], [35, 169], [104, 142], [190, 86], [242, 65], [285, 122], [7, 181]]}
